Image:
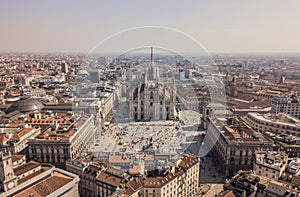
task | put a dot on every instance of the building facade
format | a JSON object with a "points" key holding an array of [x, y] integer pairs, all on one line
{"points": [[100, 179], [8, 179], [270, 164], [96, 178], [287, 105], [251, 184], [18, 141], [150, 98], [181, 180], [234, 146], [56, 146], [152, 101]]}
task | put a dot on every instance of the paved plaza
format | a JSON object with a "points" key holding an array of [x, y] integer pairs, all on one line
{"points": [[171, 137]]}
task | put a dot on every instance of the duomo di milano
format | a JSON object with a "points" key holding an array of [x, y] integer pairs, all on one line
{"points": [[151, 99]]}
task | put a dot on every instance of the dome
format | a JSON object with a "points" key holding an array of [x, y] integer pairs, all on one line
{"points": [[25, 105], [82, 72]]}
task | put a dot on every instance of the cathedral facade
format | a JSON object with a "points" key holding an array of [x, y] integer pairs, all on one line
{"points": [[151, 99]]}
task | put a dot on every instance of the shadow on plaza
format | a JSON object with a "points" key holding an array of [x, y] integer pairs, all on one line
{"points": [[192, 128], [210, 171]]}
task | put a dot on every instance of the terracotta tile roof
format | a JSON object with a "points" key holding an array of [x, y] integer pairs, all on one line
{"points": [[227, 193], [26, 167], [22, 132], [296, 180], [77, 99], [109, 179], [158, 182], [29, 192], [88, 158], [16, 157], [228, 129], [50, 103], [188, 161], [135, 170], [4, 107], [51, 120], [13, 125], [149, 157], [133, 185], [179, 173], [26, 178], [47, 186], [118, 159], [71, 132], [3, 138]]}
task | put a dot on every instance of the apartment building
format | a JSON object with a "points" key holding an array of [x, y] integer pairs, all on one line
{"points": [[277, 123], [287, 105], [234, 144], [270, 164], [16, 141], [251, 184], [64, 139], [181, 180], [285, 143], [100, 179], [96, 178]]}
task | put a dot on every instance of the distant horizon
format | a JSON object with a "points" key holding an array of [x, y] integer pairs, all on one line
{"points": [[115, 53]]}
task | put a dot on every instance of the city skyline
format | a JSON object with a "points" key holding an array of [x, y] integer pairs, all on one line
{"points": [[150, 98], [221, 27]]}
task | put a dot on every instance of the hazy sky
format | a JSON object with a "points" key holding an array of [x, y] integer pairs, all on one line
{"points": [[220, 26]]}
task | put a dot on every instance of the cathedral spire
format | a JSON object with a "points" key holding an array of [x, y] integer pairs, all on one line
{"points": [[151, 57], [152, 70]]}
